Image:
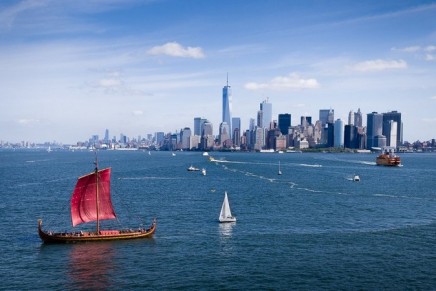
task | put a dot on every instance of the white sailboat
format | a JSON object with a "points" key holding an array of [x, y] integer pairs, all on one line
{"points": [[226, 213], [280, 171]]}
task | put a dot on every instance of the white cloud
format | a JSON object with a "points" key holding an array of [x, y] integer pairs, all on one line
{"points": [[292, 81], [379, 65], [410, 49], [8, 15], [430, 57], [174, 49], [434, 97], [27, 121], [137, 112], [430, 48], [109, 83], [429, 120]]}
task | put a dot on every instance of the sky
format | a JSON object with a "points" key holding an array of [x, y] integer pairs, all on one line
{"points": [[71, 69]]}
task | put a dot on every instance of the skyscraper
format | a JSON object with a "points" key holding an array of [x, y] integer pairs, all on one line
{"points": [[106, 136], [351, 118], [358, 119], [197, 126], [224, 133], [305, 120], [395, 116], [266, 109], [236, 124], [185, 136], [284, 123], [374, 124], [326, 116], [338, 134], [227, 105], [390, 129]]}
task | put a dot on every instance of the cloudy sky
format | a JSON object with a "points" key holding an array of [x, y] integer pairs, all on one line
{"points": [[71, 69]]}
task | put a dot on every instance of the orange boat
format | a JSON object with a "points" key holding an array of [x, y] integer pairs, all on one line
{"points": [[91, 201], [388, 159]]}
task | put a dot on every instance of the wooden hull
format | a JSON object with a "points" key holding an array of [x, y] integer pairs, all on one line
{"points": [[49, 237]]}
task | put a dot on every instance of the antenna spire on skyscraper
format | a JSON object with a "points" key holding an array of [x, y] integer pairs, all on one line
{"points": [[227, 79]]}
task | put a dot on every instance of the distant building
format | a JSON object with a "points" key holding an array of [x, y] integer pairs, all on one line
{"points": [[284, 123], [351, 118], [236, 125], [339, 134], [374, 124], [358, 119], [305, 120], [227, 105], [185, 137], [224, 133], [266, 114], [326, 116], [390, 130], [351, 137], [197, 126], [395, 116]]}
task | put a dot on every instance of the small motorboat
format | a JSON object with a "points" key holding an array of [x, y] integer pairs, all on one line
{"points": [[356, 178]]}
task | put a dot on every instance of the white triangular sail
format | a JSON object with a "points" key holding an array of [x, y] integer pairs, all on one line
{"points": [[226, 213]]}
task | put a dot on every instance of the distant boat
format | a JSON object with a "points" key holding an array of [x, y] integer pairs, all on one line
{"points": [[149, 153], [49, 149], [205, 154], [203, 172], [280, 171], [173, 154], [191, 168], [91, 201], [226, 213], [356, 178]]}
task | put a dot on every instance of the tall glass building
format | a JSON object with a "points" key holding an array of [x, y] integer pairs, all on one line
{"points": [[338, 134], [266, 110], [326, 116], [284, 123], [395, 116], [227, 105], [374, 125]]}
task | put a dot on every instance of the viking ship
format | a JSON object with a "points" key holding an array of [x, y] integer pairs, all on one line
{"points": [[91, 202]]}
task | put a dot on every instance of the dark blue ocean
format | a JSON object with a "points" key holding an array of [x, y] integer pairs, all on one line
{"points": [[310, 228]]}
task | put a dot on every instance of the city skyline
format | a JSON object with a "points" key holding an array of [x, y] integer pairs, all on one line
{"points": [[71, 70]]}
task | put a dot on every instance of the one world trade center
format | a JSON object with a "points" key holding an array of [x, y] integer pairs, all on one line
{"points": [[227, 106]]}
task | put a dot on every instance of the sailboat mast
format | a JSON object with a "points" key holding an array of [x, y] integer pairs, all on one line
{"points": [[96, 194]]}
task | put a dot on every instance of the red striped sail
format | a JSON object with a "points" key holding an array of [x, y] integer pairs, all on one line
{"points": [[84, 199]]}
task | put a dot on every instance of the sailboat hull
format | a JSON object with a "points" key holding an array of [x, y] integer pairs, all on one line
{"points": [[104, 235], [227, 219]]}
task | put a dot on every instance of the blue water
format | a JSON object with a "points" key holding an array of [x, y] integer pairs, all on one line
{"points": [[310, 228]]}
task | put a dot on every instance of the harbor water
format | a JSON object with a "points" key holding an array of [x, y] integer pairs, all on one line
{"points": [[312, 227]]}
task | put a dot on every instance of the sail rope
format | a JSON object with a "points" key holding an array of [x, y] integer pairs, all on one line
{"points": [[130, 214]]}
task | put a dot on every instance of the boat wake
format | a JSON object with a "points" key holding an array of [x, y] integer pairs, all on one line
{"points": [[311, 165], [149, 178], [367, 163]]}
